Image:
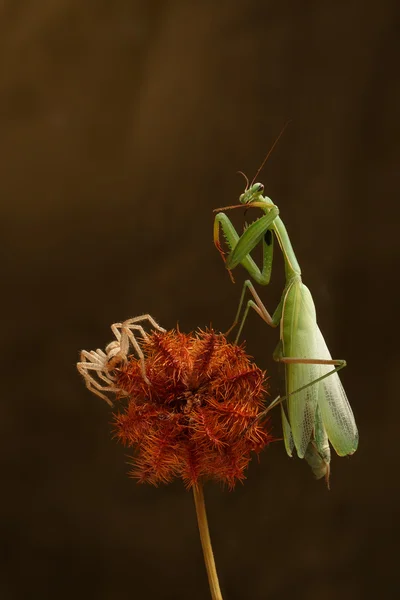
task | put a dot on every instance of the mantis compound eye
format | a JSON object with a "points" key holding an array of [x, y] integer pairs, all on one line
{"points": [[258, 188]]}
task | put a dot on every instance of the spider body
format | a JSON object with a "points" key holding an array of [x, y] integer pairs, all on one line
{"points": [[97, 366]]}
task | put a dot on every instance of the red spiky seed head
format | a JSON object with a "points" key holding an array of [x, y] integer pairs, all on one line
{"points": [[197, 418]]}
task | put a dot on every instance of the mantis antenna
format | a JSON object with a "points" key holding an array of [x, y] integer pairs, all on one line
{"points": [[268, 154], [246, 178]]}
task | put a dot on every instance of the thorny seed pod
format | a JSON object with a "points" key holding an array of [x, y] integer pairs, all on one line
{"points": [[188, 407]]}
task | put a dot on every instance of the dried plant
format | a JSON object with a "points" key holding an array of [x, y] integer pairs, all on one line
{"points": [[187, 405], [198, 417]]}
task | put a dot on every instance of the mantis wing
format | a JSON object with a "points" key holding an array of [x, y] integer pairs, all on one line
{"points": [[287, 433], [298, 325], [336, 413]]}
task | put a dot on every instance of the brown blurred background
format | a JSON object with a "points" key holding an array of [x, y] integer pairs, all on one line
{"points": [[122, 126]]}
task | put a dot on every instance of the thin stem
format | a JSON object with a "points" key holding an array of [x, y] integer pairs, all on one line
{"points": [[206, 542]]}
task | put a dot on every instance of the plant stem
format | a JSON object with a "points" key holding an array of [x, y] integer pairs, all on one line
{"points": [[206, 542]]}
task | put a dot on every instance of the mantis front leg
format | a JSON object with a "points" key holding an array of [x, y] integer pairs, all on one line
{"points": [[241, 246]]}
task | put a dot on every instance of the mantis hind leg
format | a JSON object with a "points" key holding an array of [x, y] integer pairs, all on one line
{"points": [[273, 321], [340, 364], [336, 362]]}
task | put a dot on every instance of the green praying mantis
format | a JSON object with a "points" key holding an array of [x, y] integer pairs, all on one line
{"points": [[315, 409]]}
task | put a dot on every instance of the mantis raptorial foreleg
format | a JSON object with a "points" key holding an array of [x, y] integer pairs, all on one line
{"points": [[263, 275]]}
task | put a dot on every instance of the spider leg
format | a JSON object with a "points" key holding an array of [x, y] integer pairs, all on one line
{"points": [[83, 367], [115, 327], [92, 357], [114, 350], [92, 384], [128, 336], [92, 388], [96, 360], [146, 317]]}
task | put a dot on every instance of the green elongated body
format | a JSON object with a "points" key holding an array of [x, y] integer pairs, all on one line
{"points": [[316, 407], [298, 341], [301, 338]]}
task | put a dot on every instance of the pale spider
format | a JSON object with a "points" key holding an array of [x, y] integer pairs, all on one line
{"points": [[103, 363]]}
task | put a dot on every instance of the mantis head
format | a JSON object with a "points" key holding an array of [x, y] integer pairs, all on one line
{"points": [[252, 194]]}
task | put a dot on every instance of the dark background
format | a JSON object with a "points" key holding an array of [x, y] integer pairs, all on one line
{"points": [[122, 126]]}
